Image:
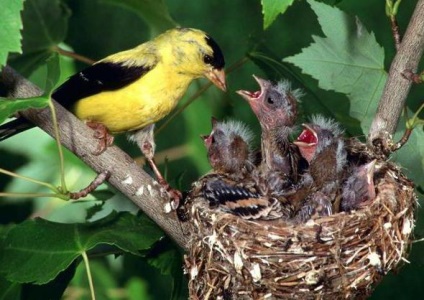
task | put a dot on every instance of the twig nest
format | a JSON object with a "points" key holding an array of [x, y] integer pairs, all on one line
{"points": [[340, 256]]}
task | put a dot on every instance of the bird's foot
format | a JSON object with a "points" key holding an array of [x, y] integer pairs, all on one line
{"points": [[102, 134], [175, 197], [174, 194]]}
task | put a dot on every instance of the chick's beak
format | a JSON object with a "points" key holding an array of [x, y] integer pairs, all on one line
{"points": [[263, 84], [370, 171], [217, 77], [207, 139], [252, 97]]}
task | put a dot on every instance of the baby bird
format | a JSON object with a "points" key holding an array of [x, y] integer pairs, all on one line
{"points": [[131, 90], [229, 148], [322, 145], [275, 106], [232, 185], [359, 187]]}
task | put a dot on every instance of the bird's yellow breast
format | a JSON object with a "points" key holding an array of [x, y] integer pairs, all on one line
{"points": [[138, 104]]}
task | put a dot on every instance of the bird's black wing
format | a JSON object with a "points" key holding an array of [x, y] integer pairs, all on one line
{"points": [[102, 76]]}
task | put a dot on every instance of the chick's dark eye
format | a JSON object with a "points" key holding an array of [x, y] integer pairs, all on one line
{"points": [[270, 100], [207, 59]]}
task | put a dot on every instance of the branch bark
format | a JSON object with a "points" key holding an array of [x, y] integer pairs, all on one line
{"points": [[397, 86], [126, 175]]}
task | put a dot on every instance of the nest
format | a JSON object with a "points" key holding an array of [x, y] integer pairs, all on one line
{"points": [[344, 255]]}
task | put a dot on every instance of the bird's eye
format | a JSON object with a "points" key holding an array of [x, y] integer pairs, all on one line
{"points": [[270, 100], [207, 59]]}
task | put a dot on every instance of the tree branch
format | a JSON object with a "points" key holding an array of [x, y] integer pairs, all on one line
{"points": [[125, 174], [397, 86]]}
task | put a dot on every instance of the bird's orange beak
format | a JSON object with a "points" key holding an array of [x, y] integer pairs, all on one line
{"points": [[217, 77]]}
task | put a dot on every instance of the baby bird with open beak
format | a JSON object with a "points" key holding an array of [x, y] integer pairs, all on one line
{"points": [[275, 106], [322, 145]]}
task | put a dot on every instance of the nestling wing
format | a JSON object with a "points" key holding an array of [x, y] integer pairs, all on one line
{"points": [[219, 192], [102, 76]]}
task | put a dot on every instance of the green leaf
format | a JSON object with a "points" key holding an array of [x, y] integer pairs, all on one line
{"points": [[9, 290], [137, 289], [348, 60], [168, 259], [52, 290], [103, 194], [9, 107], [38, 250], [272, 8], [154, 12], [91, 211], [45, 23], [53, 74], [11, 25]]}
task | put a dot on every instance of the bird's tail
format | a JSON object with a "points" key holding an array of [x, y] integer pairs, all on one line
{"points": [[11, 128]]}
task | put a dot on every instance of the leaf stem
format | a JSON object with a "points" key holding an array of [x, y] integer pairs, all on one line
{"points": [[48, 185], [32, 195], [73, 55], [90, 278], [59, 147], [410, 125], [415, 120]]}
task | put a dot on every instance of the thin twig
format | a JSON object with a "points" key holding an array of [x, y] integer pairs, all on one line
{"points": [[410, 125], [395, 32], [100, 178], [403, 140], [73, 55]]}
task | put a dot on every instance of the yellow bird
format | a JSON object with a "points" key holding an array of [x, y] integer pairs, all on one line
{"points": [[131, 90]]}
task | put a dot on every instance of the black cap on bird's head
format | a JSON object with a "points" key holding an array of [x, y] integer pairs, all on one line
{"points": [[196, 54], [274, 104], [216, 60]]}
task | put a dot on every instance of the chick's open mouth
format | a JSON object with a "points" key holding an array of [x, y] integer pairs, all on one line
{"points": [[250, 95], [307, 137]]}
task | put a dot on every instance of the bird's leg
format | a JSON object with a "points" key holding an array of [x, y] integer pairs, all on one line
{"points": [[102, 134], [145, 141]]}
